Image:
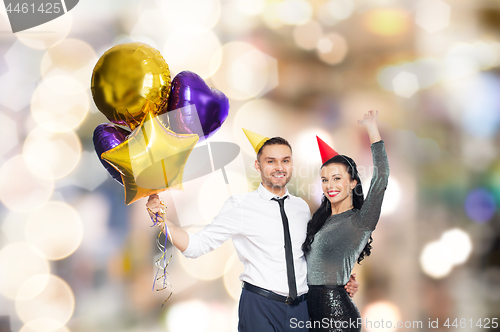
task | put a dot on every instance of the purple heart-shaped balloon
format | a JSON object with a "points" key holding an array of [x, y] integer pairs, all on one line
{"points": [[106, 137], [194, 107]]}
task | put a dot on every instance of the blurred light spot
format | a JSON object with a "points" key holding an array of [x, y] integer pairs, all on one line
{"points": [[434, 260], [432, 15], [480, 205], [294, 12], [95, 210], [245, 71], [44, 325], [12, 227], [55, 229], [232, 272], [59, 104], [332, 49], [250, 115], [480, 104], [19, 261], [71, 57], [195, 49], [392, 197], [184, 13], [48, 34], [89, 174], [211, 265], [429, 71], [55, 302], [8, 134], [458, 245], [405, 84], [188, 316], [51, 155], [333, 11], [387, 22], [20, 189], [307, 36], [214, 192], [377, 311], [250, 7], [270, 15], [478, 153], [146, 29], [236, 20]]}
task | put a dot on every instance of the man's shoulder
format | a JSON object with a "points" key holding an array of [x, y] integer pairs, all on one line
{"points": [[299, 201]]}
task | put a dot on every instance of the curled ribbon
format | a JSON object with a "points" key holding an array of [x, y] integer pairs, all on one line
{"points": [[161, 263]]}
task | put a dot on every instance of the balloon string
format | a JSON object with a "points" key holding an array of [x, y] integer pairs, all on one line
{"points": [[161, 263]]}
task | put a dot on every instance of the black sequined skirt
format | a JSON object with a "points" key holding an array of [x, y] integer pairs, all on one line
{"points": [[332, 310]]}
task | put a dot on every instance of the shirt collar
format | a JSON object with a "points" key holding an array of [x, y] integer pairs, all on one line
{"points": [[267, 195]]}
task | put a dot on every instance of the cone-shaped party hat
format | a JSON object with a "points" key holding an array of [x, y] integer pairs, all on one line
{"points": [[255, 139], [326, 151]]}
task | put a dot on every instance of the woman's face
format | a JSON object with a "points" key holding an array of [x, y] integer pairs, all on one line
{"points": [[336, 184]]}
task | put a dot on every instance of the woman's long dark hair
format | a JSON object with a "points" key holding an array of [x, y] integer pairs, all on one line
{"points": [[325, 209]]}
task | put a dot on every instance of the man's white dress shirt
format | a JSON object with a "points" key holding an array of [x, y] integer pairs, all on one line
{"points": [[254, 222]]}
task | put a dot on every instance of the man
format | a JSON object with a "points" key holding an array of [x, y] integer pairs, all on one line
{"points": [[268, 227]]}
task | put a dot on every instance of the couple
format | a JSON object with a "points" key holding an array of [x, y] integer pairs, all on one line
{"points": [[274, 235]]}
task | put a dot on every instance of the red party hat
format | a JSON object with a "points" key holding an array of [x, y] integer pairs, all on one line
{"points": [[326, 151]]}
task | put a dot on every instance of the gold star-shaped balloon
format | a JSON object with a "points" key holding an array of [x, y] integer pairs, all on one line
{"points": [[151, 160]]}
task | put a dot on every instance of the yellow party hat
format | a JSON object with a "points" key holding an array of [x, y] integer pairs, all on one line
{"points": [[255, 139]]}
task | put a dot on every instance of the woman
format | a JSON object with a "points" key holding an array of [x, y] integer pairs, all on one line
{"points": [[339, 233]]}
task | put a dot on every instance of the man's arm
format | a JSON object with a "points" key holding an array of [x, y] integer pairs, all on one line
{"points": [[180, 237]]}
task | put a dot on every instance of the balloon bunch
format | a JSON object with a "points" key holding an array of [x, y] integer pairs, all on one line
{"points": [[155, 124]]}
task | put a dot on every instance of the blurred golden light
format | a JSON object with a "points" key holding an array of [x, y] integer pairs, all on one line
{"points": [[195, 49], [332, 11], [184, 13], [392, 196], [332, 49], [261, 116], [20, 261], [434, 261], [48, 34], [51, 155], [8, 133], [214, 192], [387, 22], [245, 71], [458, 245], [59, 104], [55, 302], [188, 316], [55, 229], [211, 265], [231, 277], [294, 12], [20, 189], [71, 57], [378, 311], [307, 35], [44, 325]]}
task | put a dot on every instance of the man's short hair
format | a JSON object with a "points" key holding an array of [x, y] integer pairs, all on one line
{"points": [[273, 141]]}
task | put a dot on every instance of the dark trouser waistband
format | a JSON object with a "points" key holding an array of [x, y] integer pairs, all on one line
{"points": [[273, 296]]}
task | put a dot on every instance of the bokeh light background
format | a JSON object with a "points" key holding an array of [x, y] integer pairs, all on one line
{"points": [[74, 257]]}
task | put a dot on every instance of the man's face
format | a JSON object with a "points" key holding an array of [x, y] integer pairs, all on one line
{"points": [[275, 165]]}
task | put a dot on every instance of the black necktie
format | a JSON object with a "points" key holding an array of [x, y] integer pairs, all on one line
{"points": [[290, 271]]}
